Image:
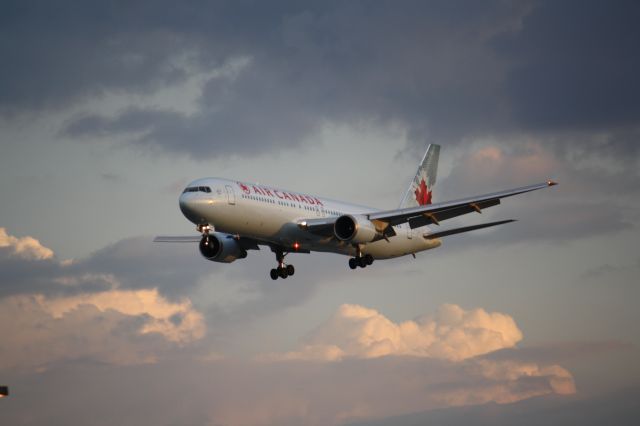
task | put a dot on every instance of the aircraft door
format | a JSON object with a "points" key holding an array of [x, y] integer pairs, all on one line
{"points": [[231, 196]]}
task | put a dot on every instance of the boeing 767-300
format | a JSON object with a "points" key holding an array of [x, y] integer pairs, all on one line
{"points": [[233, 217]]}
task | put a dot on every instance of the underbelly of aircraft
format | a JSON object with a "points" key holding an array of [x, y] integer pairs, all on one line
{"points": [[270, 228]]}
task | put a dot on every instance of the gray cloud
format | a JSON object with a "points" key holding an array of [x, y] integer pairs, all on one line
{"points": [[133, 263], [176, 271], [56, 55], [619, 407], [445, 70], [187, 391], [113, 327], [559, 351], [575, 65], [588, 202], [622, 276], [426, 65]]}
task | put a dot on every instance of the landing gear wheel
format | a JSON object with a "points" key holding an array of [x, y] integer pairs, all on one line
{"points": [[283, 270], [368, 258], [362, 262], [283, 273], [352, 263]]}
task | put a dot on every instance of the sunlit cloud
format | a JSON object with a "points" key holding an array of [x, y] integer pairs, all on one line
{"points": [[495, 163], [118, 327], [24, 247], [356, 365], [452, 333]]}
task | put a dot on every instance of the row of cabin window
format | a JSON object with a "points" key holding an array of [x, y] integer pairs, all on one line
{"points": [[282, 203]]}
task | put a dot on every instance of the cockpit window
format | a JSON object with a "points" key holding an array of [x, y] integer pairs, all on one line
{"points": [[197, 189]]}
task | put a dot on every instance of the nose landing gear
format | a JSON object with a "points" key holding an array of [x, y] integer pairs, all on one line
{"points": [[283, 270]]}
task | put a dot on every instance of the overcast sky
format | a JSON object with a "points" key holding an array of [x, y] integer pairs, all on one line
{"points": [[108, 108]]}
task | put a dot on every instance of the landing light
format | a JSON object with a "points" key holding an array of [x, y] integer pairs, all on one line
{"points": [[4, 391]]}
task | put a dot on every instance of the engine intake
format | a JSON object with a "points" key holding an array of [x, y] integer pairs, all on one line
{"points": [[219, 247], [356, 229]]}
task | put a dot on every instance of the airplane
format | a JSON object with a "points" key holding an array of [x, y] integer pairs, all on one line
{"points": [[233, 217]]}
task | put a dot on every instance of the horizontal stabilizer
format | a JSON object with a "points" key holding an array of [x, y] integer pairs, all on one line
{"points": [[465, 229], [178, 239], [245, 243]]}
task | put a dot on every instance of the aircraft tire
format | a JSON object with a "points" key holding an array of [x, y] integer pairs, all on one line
{"points": [[290, 270], [274, 274], [362, 262], [368, 258], [352, 263], [283, 273]]}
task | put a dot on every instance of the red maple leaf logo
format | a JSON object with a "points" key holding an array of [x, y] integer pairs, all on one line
{"points": [[244, 188], [423, 195]]}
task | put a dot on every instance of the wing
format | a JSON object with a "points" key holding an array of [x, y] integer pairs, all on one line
{"points": [[424, 215], [435, 213]]}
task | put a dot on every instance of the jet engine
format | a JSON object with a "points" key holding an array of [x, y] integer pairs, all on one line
{"points": [[219, 247], [355, 229]]}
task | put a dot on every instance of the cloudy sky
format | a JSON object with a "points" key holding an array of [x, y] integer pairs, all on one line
{"points": [[108, 108]]}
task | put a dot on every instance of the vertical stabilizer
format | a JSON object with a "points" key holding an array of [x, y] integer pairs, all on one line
{"points": [[421, 187]]}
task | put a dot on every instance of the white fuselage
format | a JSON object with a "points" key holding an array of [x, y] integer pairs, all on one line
{"points": [[272, 215]]}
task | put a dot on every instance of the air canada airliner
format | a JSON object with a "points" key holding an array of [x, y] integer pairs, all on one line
{"points": [[233, 217]]}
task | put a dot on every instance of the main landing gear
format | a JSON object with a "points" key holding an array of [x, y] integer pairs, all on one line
{"points": [[360, 259], [283, 270]]}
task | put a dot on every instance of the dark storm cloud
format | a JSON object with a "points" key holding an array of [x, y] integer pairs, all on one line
{"points": [[425, 64], [57, 53], [446, 70], [576, 65]]}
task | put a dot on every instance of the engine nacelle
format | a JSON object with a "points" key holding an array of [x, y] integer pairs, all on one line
{"points": [[355, 229], [219, 247]]}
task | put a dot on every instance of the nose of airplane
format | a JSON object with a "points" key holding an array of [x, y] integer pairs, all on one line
{"points": [[189, 207]]}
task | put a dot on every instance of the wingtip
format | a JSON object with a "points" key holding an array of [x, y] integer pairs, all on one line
{"points": [[551, 182]]}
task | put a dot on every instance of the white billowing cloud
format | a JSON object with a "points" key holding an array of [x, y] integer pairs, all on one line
{"points": [[452, 334], [357, 365], [65, 313], [363, 365], [116, 326], [25, 247], [177, 322]]}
